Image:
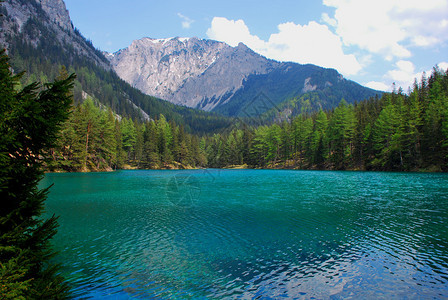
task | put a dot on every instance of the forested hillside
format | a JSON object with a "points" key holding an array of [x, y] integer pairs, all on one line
{"points": [[113, 125], [44, 62], [214, 76], [398, 131], [292, 87], [94, 140], [41, 48]]}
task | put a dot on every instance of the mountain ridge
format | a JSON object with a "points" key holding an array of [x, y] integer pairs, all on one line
{"points": [[213, 76], [39, 21], [40, 39], [172, 69]]}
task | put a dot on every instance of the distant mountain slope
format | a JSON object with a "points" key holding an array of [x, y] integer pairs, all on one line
{"points": [[324, 88], [214, 76], [37, 22], [189, 71], [40, 38]]}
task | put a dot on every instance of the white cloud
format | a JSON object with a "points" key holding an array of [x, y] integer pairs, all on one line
{"points": [[312, 43], [403, 75], [186, 21], [233, 32], [330, 21], [389, 27], [443, 66], [379, 86]]}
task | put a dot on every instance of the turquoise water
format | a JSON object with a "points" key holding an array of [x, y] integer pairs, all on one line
{"points": [[267, 234]]}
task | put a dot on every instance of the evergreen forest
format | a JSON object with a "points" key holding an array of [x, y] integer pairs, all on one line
{"points": [[69, 113], [396, 132], [42, 62], [30, 119]]}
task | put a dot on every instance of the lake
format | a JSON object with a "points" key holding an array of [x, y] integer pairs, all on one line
{"points": [[252, 233]]}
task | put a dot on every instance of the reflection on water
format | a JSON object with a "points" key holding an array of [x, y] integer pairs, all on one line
{"points": [[252, 233]]}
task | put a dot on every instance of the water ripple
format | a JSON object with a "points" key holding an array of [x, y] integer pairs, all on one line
{"points": [[253, 234]]}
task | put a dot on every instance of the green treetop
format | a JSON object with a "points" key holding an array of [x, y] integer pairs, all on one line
{"points": [[30, 120]]}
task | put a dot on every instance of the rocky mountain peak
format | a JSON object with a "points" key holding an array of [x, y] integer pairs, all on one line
{"points": [[189, 71], [45, 18], [214, 76], [57, 12], [160, 67]]}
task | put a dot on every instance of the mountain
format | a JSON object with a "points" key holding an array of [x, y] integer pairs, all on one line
{"points": [[40, 38], [188, 71], [37, 22], [214, 76], [200, 75]]}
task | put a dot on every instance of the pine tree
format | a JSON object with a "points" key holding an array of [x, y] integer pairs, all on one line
{"points": [[121, 154], [107, 144], [165, 136], [387, 137], [247, 139], [303, 130], [270, 140], [318, 140], [139, 143], [201, 158], [151, 155], [29, 123], [129, 137], [342, 132], [260, 146], [412, 132], [286, 142]]}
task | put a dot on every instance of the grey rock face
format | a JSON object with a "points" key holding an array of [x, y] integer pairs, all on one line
{"points": [[54, 17], [188, 71], [214, 76], [160, 67], [218, 83], [57, 12]]}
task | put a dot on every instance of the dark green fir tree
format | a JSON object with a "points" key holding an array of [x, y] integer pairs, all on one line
{"points": [[30, 119]]}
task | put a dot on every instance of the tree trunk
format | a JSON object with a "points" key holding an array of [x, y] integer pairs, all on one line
{"points": [[89, 125]]}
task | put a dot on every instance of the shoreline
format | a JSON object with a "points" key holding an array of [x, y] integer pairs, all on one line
{"points": [[430, 169]]}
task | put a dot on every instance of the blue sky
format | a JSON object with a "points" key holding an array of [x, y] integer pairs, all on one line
{"points": [[374, 43]]}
